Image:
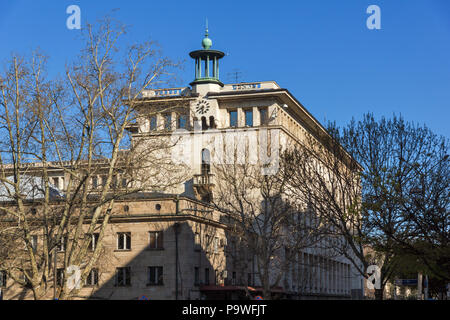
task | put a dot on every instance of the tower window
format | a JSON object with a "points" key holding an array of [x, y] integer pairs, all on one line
{"points": [[206, 161], [233, 118], [204, 124], [212, 124]]}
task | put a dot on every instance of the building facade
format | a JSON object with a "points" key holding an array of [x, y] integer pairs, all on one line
{"points": [[175, 244]]}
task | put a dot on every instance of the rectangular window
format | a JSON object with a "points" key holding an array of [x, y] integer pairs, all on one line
{"points": [[94, 182], [60, 276], [208, 243], [182, 121], [196, 276], [153, 123], [168, 121], [94, 240], [3, 279], [197, 244], [155, 276], [156, 240], [56, 182], [124, 241], [34, 240], [104, 178], [92, 279], [248, 118], [207, 276], [123, 277], [263, 116], [62, 244], [233, 118], [216, 245]]}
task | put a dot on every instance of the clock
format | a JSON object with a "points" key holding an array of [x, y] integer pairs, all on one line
{"points": [[202, 106]]}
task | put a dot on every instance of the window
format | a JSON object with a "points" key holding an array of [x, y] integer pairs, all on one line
{"points": [[156, 240], [182, 121], [155, 276], [62, 244], [204, 124], [248, 118], [123, 277], [153, 123], [233, 281], [104, 178], [92, 278], [216, 245], [56, 182], [124, 241], [3, 279], [249, 279], [34, 243], [196, 276], [124, 183], [94, 241], [207, 276], [233, 118], [212, 123], [263, 116], [94, 182], [168, 121], [197, 244], [206, 161], [208, 243], [60, 276]]}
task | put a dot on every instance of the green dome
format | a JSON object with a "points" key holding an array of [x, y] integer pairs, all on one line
{"points": [[206, 43]]}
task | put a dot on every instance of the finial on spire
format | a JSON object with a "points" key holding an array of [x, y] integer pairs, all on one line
{"points": [[206, 43]]}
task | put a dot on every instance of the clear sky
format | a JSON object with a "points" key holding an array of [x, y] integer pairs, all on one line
{"points": [[322, 51]]}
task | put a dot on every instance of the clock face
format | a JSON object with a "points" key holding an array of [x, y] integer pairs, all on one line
{"points": [[202, 106]]}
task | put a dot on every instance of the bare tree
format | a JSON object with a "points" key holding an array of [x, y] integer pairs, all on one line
{"points": [[367, 191], [77, 128], [268, 227]]}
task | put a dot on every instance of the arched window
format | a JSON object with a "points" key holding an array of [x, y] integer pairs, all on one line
{"points": [[206, 161], [211, 122], [204, 124]]}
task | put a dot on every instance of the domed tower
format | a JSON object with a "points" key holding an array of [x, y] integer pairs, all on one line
{"points": [[206, 77]]}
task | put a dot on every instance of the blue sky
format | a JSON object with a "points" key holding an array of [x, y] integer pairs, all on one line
{"points": [[321, 51]]}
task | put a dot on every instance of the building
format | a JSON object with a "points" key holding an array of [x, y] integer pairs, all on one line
{"points": [[173, 244]]}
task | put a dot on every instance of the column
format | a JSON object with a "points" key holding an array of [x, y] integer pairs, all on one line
{"points": [[207, 67]]}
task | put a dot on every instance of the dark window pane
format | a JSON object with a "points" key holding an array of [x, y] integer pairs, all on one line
{"points": [[233, 118], [248, 118], [153, 123], [263, 116]]}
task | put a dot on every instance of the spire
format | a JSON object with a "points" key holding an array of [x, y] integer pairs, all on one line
{"points": [[206, 43]]}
